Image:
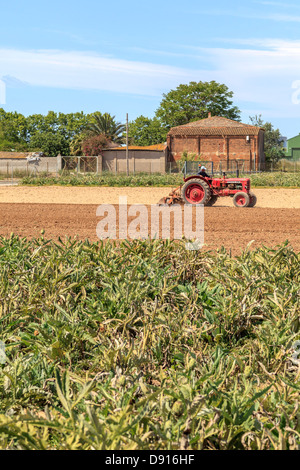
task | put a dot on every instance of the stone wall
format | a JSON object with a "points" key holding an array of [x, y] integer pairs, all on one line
{"points": [[114, 161], [139, 161], [7, 165]]}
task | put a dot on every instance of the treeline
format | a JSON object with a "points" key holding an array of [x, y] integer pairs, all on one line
{"points": [[80, 133], [52, 133], [89, 134], [73, 133]]}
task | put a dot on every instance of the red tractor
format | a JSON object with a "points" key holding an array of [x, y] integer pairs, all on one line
{"points": [[205, 190]]}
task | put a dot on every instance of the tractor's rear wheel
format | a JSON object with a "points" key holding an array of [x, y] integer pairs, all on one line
{"points": [[253, 199], [196, 191], [241, 199]]}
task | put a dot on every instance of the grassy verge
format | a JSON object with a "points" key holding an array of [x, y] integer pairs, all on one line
{"points": [[147, 346], [147, 180], [262, 180], [278, 179]]}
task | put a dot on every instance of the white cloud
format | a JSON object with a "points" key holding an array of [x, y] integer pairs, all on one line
{"points": [[261, 76], [282, 18], [78, 70], [266, 43], [278, 4], [253, 15]]}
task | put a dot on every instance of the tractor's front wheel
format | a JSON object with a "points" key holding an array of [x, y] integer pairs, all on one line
{"points": [[241, 199], [196, 191]]}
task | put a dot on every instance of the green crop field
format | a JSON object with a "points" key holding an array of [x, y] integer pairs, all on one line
{"points": [[276, 179], [146, 345]]}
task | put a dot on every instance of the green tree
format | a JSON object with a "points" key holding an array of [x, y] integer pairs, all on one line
{"points": [[105, 124], [146, 131], [273, 139], [68, 125], [9, 145], [73, 124], [50, 143], [53, 131], [194, 101], [13, 129], [76, 144]]}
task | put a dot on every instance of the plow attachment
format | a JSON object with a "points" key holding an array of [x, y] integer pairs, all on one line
{"points": [[173, 198]]}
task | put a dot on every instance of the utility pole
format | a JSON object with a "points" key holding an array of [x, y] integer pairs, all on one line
{"points": [[127, 160]]}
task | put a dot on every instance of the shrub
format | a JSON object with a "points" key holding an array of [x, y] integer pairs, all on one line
{"points": [[94, 145]]}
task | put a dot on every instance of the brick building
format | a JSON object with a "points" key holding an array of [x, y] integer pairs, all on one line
{"points": [[218, 139]]}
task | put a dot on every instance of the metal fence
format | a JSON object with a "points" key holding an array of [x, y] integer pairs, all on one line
{"points": [[240, 167], [113, 162], [292, 166], [80, 164], [13, 170], [94, 165]]}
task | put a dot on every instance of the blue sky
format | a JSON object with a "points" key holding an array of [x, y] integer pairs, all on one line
{"points": [[120, 57]]}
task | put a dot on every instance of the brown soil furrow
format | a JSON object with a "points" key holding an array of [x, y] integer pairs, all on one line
{"points": [[230, 227]]}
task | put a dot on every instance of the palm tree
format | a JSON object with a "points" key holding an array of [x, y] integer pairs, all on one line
{"points": [[105, 124]]}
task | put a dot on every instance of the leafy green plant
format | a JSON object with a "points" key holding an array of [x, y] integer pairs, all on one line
{"points": [[106, 179], [145, 345], [276, 179]]}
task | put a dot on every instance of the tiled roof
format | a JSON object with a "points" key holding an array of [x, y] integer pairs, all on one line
{"points": [[136, 147], [215, 125], [13, 155]]}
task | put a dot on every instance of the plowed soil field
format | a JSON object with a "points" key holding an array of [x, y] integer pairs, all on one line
{"points": [[275, 198], [27, 211]]}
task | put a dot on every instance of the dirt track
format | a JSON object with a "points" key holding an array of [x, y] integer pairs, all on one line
{"points": [[230, 227], [273, 198]]}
